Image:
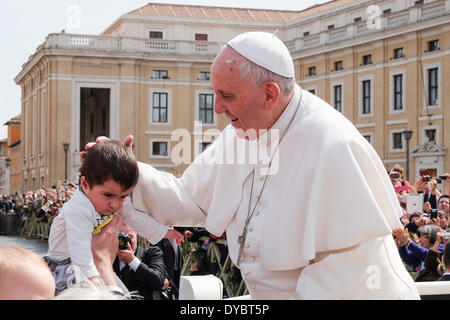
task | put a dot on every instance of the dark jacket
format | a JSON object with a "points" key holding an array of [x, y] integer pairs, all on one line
{"points": [[149, 277]]}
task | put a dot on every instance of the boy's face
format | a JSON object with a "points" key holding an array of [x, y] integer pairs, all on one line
{"points": [[107, 198]]}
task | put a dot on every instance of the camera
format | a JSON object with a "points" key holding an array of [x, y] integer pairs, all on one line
{"points": [[426, 179], [433, 213], [438, 180], [443, 177], [124, 239], [394, 175]]}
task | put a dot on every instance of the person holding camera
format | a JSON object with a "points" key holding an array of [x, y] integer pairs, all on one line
{"points": [[428, 186], [108, 176], [141, 270], [413, 253]]}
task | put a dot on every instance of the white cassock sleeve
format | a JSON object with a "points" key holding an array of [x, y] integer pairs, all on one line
{"points": [[143, 224], [165, 198]]}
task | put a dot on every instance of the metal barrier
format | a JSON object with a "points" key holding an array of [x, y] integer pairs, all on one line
{"points": [[9, 223]]}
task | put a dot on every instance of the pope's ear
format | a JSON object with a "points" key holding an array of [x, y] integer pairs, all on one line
{"points": [[271, 94]]}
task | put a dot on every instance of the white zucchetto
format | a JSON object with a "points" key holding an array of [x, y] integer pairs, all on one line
{"points": [[266, 50]]}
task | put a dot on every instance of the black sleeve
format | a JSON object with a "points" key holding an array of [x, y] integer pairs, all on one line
{"points": [[431, 263], [151, 271]]}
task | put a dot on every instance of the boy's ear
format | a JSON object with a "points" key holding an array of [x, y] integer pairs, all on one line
{"points": [[83, 183]]}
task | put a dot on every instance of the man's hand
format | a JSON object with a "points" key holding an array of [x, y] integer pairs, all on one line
{"points": [[427, 207], [104, 247], [420, 184], [422, 221], [126, 255], [127, 142], [175, 235], [402, 236]]}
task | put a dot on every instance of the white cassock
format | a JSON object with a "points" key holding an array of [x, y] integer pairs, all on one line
{"points": [[322, 226]]}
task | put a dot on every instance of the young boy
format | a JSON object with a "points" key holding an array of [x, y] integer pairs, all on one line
{"points": [[108, 175]]}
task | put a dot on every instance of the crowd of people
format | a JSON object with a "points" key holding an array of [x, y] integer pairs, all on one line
{"points": [[422, 241], [163, 262]]}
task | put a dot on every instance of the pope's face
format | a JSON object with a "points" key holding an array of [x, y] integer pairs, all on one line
{"points": [[239, 100], [107, 198]]}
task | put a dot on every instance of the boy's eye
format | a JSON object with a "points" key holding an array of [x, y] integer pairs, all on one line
{"points": [[108, 195]]}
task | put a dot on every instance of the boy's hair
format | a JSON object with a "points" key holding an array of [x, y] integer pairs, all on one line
{"points": [[110, 159]]}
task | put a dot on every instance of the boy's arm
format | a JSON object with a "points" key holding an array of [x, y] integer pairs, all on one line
{"points": [[79, 228], [142, 223]]}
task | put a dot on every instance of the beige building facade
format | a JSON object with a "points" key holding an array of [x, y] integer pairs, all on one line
{"points": [[384, 64]]}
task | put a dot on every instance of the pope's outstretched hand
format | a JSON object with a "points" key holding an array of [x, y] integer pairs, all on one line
{"points": [[128, 142]]}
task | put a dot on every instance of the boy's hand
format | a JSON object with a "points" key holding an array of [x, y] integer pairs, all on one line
{"points": [[175, 235]]}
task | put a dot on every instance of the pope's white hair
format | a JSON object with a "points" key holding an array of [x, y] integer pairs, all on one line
{"points": [[257, 75]]}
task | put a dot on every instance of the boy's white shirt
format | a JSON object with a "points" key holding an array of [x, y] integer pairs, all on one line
{"points": [[71, 231]]}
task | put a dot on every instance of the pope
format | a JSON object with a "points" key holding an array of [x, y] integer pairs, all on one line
{"points": [[313, 218]]}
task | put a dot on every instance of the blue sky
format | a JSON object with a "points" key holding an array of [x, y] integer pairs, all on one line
{"points": [[24, 25]]}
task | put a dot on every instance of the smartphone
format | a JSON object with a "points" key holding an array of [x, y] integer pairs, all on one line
{"points": [[433, 213]]}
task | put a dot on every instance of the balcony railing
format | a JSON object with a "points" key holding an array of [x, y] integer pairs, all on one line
{"points": [[363, 28], [127, 44]]}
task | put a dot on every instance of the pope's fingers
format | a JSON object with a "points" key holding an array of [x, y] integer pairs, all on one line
{"points": [[88, 146], [129, 142], [101, 138]]}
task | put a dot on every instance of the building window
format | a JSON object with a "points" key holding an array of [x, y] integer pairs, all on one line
{"points": [[313, 91], [398, 53], [160, 148], [201, 37], [160, 106], [418, 3], [206, 108], [311, 71], [430, 135], [398, 92], [203, 75], [338, 65], [358, 19], [160, 74], [331, 27], [366, 97], [433, 45], [338, 97], [156, 34], [397, 141], [433, 86], [204, 145], [367, 59], [305, 34], [387, 11], [368, 137]]}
